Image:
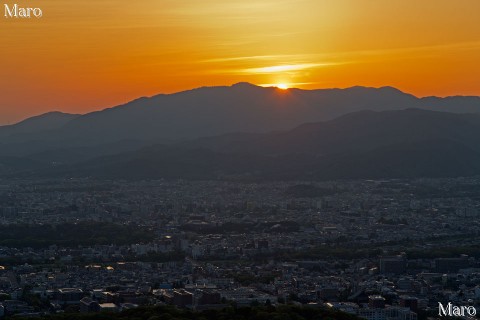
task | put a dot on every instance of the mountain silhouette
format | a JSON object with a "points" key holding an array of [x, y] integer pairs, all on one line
{"points": [[218, 126], [209, 111], [357, 131], [44, 122], [367, 144]]}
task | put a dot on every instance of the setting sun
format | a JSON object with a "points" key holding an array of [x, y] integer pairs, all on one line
{"points": [[282, 86]]}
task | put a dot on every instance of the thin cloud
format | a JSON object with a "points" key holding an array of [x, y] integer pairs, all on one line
{"points": [[250, 58], [290, 84], [285, 68]]}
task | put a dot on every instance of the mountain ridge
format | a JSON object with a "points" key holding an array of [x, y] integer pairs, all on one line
{"points": [[206, 112], [248, 85], [407, 143], [45, 121]]}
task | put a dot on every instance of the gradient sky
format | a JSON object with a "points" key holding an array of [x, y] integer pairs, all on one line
{"points": [[90, 54]]}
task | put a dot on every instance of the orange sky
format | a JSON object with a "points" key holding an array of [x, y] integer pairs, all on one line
{"points": [[90, 54]]}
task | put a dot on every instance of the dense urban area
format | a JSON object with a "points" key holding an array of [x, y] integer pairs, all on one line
{"points": [[376, 249]]}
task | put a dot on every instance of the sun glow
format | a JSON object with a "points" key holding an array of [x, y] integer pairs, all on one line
{"points": [[282, 86]]}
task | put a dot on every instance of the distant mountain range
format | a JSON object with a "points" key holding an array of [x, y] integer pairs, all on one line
{"points": [[396, 144], [245, 131]]}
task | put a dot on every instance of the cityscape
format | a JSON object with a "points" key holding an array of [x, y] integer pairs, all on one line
{"points": [[377, 249]]}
